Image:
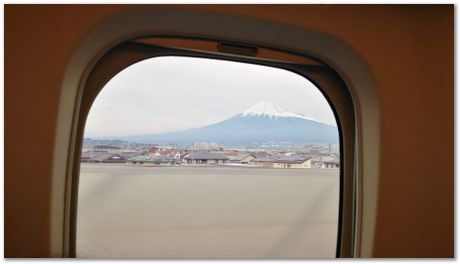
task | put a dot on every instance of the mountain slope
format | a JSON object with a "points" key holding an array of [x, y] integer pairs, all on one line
{"points": [[264, 122]]}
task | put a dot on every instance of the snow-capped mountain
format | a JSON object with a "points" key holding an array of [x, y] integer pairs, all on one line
{"points": [[263, 122], [264, 108]]}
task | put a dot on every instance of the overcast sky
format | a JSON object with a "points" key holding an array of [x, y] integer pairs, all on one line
{"points": [[172, 93]]}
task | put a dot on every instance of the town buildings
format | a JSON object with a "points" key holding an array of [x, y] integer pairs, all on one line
{"points": [[298, 157]]}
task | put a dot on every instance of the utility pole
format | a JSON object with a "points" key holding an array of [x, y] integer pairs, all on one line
{"points": [[193, 148]]}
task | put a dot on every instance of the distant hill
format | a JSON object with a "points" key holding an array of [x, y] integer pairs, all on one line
{"points": [[263, 122], [98, 141]]}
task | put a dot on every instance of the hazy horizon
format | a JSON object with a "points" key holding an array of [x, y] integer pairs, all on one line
{"points": [[173, 93]]}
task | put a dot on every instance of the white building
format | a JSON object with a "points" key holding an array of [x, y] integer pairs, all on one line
{"points": [[293, 162], [331, 164]]}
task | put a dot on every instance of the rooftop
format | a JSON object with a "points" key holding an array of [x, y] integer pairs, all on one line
{"points": [[206, 156]]}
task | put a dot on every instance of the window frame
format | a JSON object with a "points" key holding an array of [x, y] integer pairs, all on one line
{"points": [[324, 77]]}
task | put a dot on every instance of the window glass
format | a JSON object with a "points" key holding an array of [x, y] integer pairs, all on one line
{"points": [[202, 158]]}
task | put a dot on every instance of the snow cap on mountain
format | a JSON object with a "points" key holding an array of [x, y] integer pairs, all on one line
{"points": [[265, 108]]}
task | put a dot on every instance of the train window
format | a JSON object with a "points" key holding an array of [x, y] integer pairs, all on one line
{"points": [[198, 155]]}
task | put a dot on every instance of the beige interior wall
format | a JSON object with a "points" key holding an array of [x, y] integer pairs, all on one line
{"points": [[408, 48]]}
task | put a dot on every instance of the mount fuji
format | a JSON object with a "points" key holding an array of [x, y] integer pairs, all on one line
{"points": [[263, 122]]}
